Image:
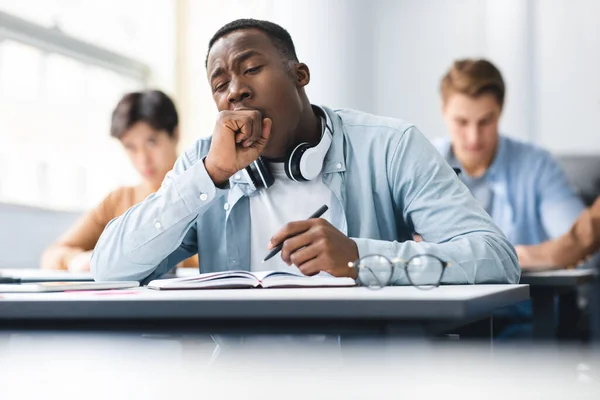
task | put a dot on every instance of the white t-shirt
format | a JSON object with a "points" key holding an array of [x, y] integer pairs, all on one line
{"points": [[284, 202]]}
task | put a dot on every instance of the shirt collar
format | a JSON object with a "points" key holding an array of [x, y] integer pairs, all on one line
{"points": [[334, 159], [496, 168]]}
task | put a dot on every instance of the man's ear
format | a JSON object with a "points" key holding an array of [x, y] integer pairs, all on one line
{"points": [[301, 75], [176, 134]]}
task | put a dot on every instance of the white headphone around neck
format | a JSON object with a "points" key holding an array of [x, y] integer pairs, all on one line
{"points": [[303, 164]]}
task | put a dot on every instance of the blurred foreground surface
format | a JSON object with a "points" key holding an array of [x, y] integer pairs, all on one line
{"points": [[118, 366]]}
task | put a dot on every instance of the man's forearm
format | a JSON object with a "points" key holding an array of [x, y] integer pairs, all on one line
{"points": [[581, 241], [133, 245]]}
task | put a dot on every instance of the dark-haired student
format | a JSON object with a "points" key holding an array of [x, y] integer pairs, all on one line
{"points": [[146, 124], [380, 177]]}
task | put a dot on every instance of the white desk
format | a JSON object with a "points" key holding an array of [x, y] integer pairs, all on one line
{"points": [[559, 278], [262, 310], [41, 275]]}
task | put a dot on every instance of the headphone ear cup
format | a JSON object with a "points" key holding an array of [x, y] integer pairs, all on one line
{"points": [[292, 166], [260, 174]]}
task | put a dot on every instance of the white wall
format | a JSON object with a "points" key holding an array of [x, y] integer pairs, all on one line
{"points": [[388, 56], [415, 43], [547, 50], [334, 38], [508, 43], [568, 67]]}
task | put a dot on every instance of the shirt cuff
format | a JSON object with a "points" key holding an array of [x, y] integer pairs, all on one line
{"points": [[390, 250], [196, 188], [380, 247]]}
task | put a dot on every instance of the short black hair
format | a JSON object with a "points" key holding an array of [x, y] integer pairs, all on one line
{"points": [[150, 106], [280, 37]]}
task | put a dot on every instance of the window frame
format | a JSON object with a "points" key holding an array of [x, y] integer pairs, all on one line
{"points": [[52, 40]]}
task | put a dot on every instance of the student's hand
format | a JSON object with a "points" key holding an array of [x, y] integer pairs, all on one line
{"points": [[535, 258], [238, 140], [80, 262], [315, 245]]}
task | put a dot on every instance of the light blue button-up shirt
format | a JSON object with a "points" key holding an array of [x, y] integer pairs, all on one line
{"points": [[531, 200], [387, 181]]}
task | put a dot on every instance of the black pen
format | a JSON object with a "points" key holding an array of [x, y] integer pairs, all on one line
{"points": [[278, 248]]}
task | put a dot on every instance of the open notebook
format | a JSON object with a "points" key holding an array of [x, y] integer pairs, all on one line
{"points": [[245, 279]]}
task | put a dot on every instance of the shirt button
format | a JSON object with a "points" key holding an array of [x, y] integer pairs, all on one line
{"points": [[158, 225], [203, 196], [238, 177], [226, 206], [338, 165]]}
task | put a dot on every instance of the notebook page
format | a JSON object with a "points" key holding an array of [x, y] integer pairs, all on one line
{"points": [[292, 280]]}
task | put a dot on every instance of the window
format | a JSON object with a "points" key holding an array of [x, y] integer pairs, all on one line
{"points": [[63, 66]]}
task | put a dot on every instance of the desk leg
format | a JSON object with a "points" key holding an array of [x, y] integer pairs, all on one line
{"points": [[594, 308], [568, 315], [492, 335], [544, 314]]}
